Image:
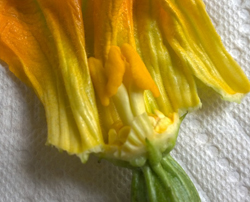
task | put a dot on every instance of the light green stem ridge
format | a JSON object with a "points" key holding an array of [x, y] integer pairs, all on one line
{"points": [[138, 187], [162, 179], [183, 181], [149, 179]]}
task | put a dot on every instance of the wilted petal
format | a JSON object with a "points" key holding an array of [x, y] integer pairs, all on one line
{"points": [[189, 31], [43, 44], [174, 80]]}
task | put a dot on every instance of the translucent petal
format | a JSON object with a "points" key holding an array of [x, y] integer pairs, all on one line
{"points": [[191, 34], [43, 44]]}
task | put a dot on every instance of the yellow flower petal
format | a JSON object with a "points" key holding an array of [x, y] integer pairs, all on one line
{"points": [[43, 44], [99, 80], [160, 45], [108, 23], [118, 23], [189, 31], [174, 80]]}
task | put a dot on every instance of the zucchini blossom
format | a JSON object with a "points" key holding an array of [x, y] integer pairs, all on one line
{"points": [[116, 78]]}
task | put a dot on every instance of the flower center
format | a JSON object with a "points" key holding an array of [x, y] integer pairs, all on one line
{"points": [[122, 80]]}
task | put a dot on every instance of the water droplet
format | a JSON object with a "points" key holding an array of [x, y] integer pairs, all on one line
{"points": [[195, 125], [236, 2], [223, 163], [213, 151], [244, 14], [235, 53], [243, 191], [245, 28], [234, 176], [202, 138]]}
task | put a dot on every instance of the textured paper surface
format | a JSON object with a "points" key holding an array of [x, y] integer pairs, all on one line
{"points": [[213, 145]]}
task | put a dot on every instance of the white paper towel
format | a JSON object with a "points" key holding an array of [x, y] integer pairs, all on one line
{"points": [[213, 144]]}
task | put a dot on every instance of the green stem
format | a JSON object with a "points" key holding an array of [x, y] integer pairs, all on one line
{"points": [[138, 188], [162, 179], [185, 184], [149, 179]]}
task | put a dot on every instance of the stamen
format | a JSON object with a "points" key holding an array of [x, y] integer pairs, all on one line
{"points": [[139, 72], [159, 121], [114, 69], [112, 136], [162, 125], [99, 80], [123, 134]]}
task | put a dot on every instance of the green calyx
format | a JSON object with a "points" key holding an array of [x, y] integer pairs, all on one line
{"points": [[162, 179]]}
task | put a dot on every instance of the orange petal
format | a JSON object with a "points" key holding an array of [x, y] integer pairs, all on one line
{"points": [[43, 43], [139, 72]]}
